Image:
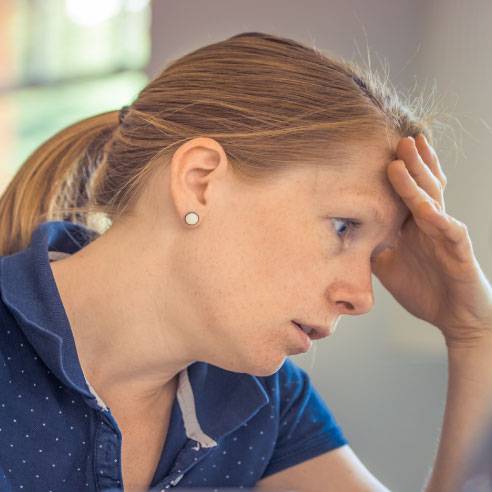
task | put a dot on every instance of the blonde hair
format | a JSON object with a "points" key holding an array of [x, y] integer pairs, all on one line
{"points": [[270, 101]]}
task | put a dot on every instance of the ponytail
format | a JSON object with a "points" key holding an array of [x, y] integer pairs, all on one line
{"points": [[55, 181]]}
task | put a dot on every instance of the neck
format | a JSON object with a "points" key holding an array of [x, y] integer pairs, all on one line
{"points": [[123, 345]]}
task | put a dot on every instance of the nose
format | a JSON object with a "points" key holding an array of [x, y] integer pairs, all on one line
{"points": [[358, 304], [354, 296]]}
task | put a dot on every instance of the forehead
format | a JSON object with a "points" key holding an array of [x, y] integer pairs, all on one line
{"points": [[359, 177]]}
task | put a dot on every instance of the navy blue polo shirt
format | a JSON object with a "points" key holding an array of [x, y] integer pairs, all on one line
{"points": [[227, 429]]}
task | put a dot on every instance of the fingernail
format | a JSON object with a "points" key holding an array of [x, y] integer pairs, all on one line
{"points": [[412, 139]]}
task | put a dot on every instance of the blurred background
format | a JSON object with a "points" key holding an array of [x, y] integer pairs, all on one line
{"points": [[384, 374]]}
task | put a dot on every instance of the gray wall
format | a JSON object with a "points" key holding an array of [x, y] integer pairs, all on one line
{"points": [[383, 374]]}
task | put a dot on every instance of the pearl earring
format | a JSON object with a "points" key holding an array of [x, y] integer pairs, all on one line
{"points": [[191, 218]]}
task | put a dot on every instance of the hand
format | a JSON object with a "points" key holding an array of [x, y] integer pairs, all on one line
{"points": [[433, 272]]}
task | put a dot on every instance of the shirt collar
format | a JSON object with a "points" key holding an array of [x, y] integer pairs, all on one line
{"points": [[213, 401]]}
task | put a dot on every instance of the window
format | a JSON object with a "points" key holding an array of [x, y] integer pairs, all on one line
{"points": [[63, 60]]}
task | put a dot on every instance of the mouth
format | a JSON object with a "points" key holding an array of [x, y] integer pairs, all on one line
{"points": [[313, 332]]}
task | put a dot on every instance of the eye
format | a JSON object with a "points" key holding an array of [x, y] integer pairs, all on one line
{"points": [[350, 226]]}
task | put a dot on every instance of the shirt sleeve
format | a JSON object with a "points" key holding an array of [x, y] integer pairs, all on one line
{"points": [[307, 427]]}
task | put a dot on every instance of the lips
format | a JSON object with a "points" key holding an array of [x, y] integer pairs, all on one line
{"points": [[314, 332], [306, 329]]}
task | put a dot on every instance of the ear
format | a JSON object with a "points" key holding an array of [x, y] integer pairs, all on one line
{"points": [[196, 170]]}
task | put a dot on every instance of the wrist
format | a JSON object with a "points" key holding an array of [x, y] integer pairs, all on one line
{"points": [[469, 337], [471, 360]]}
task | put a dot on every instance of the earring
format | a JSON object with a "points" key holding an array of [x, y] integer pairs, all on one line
{"points": [[191, 218]]}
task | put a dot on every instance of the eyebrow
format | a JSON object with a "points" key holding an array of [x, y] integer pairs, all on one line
{"points": [[377, 216], [375, 212], [379, 219]]}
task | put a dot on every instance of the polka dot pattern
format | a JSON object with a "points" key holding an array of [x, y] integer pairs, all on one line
{"points": [[57, 436]]}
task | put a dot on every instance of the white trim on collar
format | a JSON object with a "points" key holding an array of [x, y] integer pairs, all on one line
{"points": [[187, 403], [184, 394]]}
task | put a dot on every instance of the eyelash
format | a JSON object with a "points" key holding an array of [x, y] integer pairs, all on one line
{"points": [[352, 226]]}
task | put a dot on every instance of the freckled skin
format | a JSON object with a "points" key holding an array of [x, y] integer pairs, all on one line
{"points": [[154, 294]]}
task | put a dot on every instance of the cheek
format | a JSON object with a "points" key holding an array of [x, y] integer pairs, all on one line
{"points": [[286, 264], [227, 284], [241, 313], [252, 279]]}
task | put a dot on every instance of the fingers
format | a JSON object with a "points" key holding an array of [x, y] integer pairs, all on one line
{"points": [[431, 158], [454, 231], [427, 212], [420, 169], [414, 196]]}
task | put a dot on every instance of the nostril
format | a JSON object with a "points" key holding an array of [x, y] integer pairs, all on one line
{"points": [[348, 305]]}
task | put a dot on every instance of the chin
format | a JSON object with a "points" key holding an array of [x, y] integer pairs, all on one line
{"points": [[266, 359], [257, 365], [258, 356], [268, 371], [266, 365]]}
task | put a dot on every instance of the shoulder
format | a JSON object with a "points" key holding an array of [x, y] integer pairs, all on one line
{"points": [[298, 402]]}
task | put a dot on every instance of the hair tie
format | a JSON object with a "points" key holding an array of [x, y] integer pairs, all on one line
{"points": [[122, 113]]}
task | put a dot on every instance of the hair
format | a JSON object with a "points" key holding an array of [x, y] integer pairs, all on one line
{"points": [[271, 102]]}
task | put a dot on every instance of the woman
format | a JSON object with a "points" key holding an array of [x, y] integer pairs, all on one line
{"points": [[252, 187]]}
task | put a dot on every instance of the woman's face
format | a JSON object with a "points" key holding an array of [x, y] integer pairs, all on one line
{"points": [[264, 255]]}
